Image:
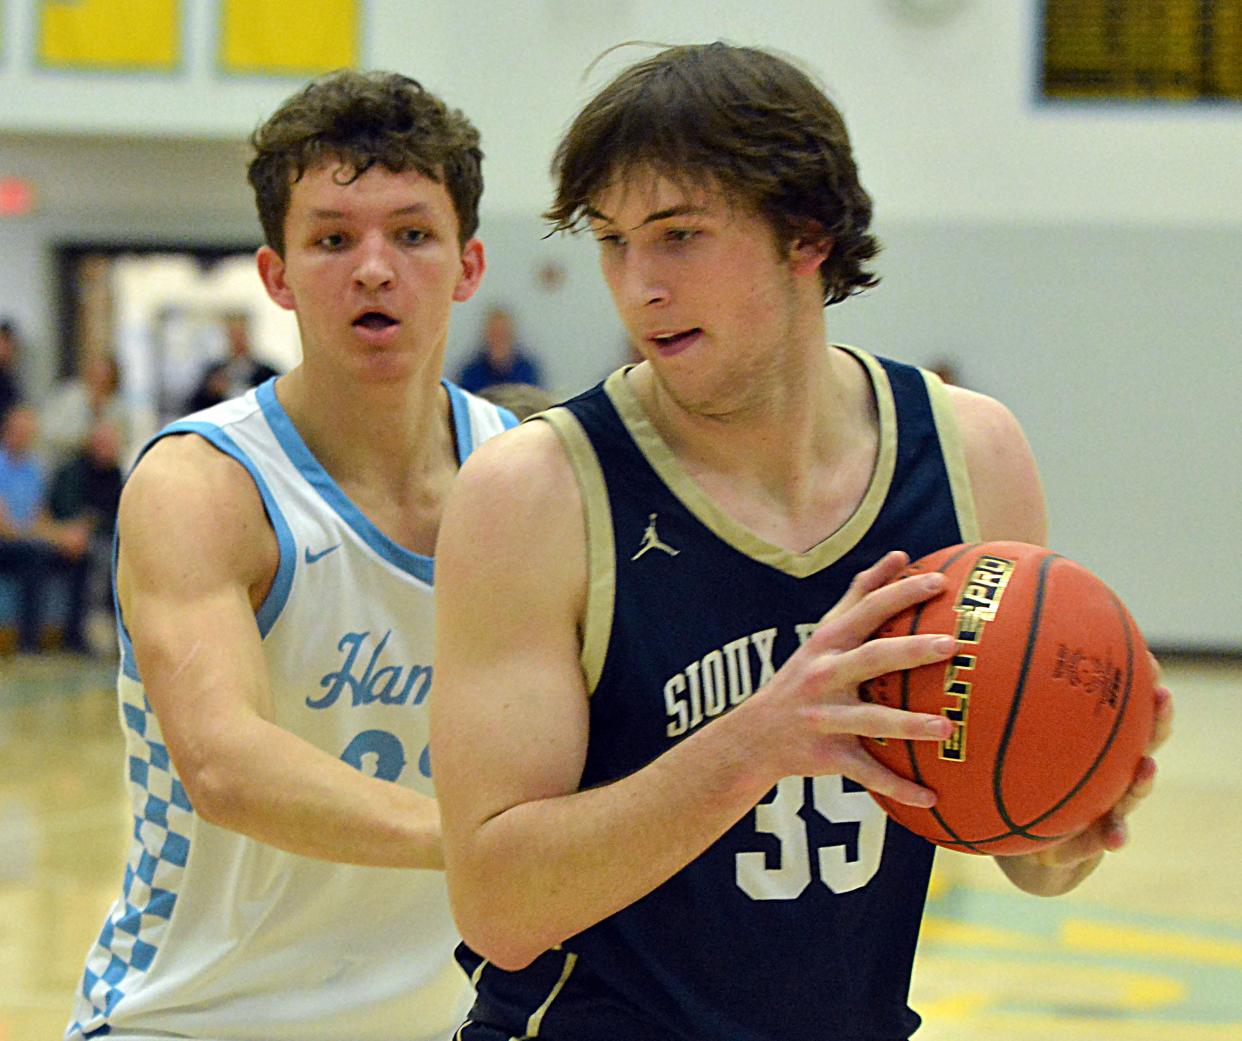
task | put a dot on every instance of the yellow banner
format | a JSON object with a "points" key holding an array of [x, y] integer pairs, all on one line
{"points": [[289, 36], [110, 34]]}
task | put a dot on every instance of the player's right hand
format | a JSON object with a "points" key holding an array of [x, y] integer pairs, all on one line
{"points": [[809, 717]]}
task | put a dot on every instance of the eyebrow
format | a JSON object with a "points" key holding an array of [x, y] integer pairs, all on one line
{"points": [[685, 209], [404, 211]]}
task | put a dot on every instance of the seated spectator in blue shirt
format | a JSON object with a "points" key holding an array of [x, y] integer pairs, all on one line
{"points": [[33, 545], [501, 358]]}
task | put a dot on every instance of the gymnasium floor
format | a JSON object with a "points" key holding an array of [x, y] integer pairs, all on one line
{"points": [[1150, 949]]}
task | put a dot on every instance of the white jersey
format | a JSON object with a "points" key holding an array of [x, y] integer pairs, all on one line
{"points": [[222, 937]]}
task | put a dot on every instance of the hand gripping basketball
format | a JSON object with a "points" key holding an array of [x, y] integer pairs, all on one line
{"points": [[1051, 692], [812, 715]]}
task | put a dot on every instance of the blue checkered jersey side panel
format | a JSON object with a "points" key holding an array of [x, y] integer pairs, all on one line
{"points": [[136, 923]]}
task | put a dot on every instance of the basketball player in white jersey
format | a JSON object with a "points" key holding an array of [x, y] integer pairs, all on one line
{"points": [[274, 579], [650, 773]]}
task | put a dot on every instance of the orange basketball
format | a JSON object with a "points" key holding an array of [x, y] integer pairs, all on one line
{"points": [[1051, 688]]}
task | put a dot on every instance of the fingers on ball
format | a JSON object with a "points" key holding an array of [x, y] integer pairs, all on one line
{"points": [[874, 721]]}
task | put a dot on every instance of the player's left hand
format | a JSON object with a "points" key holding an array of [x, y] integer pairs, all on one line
{"points": [[1109, 833]]}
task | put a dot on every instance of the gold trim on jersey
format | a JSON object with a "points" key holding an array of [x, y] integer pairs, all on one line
{"points": [[731, 531], [601, 559], [536, 1019], [954, 454]]}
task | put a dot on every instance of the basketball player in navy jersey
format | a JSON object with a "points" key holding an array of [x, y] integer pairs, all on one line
{"points": [[274, 576], [650, 775]]}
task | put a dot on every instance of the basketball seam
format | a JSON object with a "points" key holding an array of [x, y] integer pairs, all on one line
{"points": [[1108, 743], [1015, 704]]}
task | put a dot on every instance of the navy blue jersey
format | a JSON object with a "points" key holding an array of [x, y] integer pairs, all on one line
{"points": [[800, 922]]}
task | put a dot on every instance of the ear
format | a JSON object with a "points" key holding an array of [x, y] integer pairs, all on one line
{"points": [[272, 272], [473, 264], [810, 249]]}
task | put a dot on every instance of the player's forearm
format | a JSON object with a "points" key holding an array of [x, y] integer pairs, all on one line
{"points": [[542, 871], [269, 784]]}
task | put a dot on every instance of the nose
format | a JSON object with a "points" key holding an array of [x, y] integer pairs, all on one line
{"points": [[646, 284], [374, 269]]}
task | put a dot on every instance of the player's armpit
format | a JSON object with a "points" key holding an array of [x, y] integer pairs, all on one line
{"points": [[1004, 478]]}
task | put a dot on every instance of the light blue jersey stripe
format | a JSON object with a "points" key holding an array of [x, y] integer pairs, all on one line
{"points": [[463, 428], [421, 567], [276, 597]]}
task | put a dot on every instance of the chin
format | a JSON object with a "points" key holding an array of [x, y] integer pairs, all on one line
{"points": [[690, 394], [705, 394]]}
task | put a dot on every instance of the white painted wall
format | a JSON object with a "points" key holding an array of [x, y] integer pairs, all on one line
{"points": [[943, 112]]}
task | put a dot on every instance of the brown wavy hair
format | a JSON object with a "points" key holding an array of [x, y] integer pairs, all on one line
{"points": [[359, 119], [740, 119]]}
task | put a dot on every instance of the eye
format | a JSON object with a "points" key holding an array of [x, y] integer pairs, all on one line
{"points": [[609, 239], [335, 240], [412, 236], [681, 234]]}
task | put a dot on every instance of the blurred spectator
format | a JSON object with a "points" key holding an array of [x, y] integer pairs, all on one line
{"points": [[236, 374], [76, 405], [33, 545], [88, 484], [500, 358], [10, 385], [86, 489], [522, 399], [22, 483]]}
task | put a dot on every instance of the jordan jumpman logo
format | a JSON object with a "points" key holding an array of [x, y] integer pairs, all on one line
{"points": [[652, 541]]}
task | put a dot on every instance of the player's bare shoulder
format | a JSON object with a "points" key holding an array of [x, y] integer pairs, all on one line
{"points": [[526, 468], [1004, 478], [180, 476], [517, 499], [187, 500]]}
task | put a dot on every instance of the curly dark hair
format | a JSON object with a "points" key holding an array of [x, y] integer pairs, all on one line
{"points": [[741, 119], [360, 119]]}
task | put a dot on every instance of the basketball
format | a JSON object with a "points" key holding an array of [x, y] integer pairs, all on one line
{"points": [[1051, 688]]}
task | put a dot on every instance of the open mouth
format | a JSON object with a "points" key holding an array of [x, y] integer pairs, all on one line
{"points": [[672, 341], [374, 321]]}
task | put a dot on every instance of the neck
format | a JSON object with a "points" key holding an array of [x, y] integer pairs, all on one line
{"points": [[378, 435], [793, 469], [791, 423]]}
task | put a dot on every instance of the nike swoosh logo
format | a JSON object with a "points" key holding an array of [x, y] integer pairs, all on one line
{"points": [[312, 557]]}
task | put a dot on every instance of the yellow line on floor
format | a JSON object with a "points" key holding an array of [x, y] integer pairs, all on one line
{"points": [[1103, 937]]}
